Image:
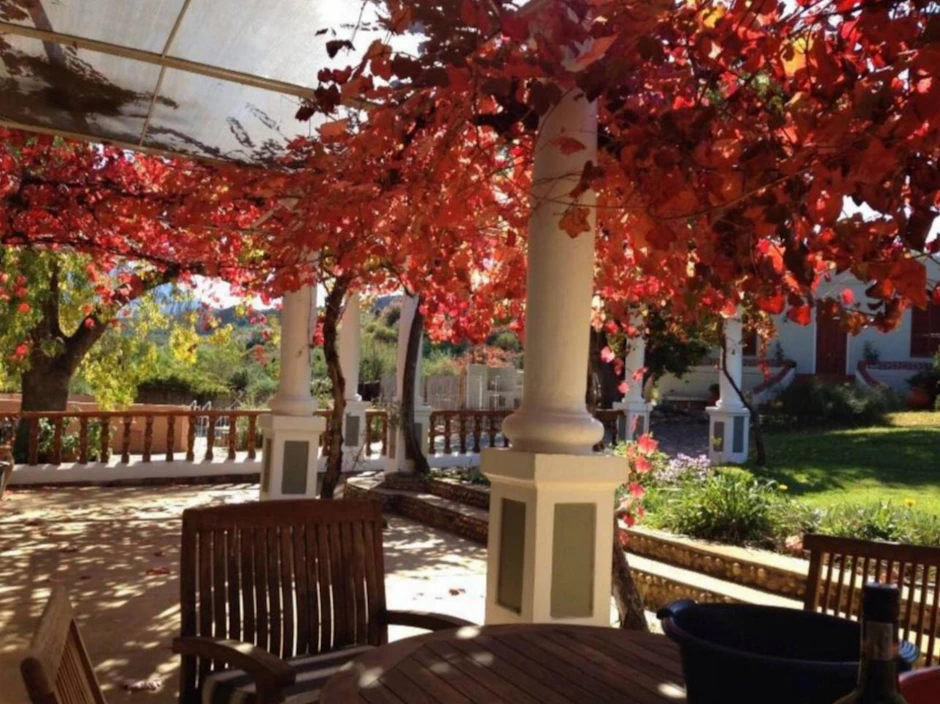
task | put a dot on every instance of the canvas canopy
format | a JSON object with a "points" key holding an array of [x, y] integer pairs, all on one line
{"points": [[216, 79]]}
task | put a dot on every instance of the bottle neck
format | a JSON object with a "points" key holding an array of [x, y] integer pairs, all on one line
{"points": [[879, 669]]}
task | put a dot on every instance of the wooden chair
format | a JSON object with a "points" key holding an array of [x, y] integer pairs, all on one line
{"points": [[284, 592], [57, 670], [840, 567]]}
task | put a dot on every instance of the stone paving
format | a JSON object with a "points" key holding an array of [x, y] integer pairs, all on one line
{"points": [[116, 550], [677, 434]]}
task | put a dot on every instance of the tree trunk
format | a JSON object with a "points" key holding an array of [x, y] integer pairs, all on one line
{"points": [[759, 447], [409, 380], [628, 599], [45, 385], [334, 441]]}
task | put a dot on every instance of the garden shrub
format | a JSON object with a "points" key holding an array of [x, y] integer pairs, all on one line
{"points": [[882, 521], [848, 405], [730, 507]]}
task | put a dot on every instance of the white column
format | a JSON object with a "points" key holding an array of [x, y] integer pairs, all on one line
{"points": [[636, 411], [729, 419], [291, 431], [553, 416], [293, 396], [551, 499], [354, 420], [398, 459]]}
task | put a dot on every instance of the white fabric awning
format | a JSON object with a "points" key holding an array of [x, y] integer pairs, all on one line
{"points": [[217, 79]]}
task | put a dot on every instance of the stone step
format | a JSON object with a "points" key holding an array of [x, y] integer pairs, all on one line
{"points": [[661, 584], [666, 568]]}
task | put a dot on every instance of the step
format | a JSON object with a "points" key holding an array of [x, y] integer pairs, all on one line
{"points": [[661, 584], [666, 567], [760, 569]]}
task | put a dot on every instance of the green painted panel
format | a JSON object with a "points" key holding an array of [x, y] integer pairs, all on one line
{"points": [[573, 560], [352, 430], [296, 459], [511, 556]]}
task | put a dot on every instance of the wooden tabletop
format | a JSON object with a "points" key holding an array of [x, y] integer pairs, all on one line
{"points": [[515, 664]]}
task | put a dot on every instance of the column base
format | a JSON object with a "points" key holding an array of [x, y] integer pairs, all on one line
{"points": [[635, 420], [399, 460], [550, 536], [729, 434], [354, 433], [290, 456]]}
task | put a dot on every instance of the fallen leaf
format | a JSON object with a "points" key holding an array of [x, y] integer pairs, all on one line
{"points": [[157, 571]]}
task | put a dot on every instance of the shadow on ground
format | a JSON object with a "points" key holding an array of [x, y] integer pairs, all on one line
{"points": [[116, 550]]}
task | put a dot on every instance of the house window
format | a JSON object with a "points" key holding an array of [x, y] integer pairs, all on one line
{"points": [[925, 331]]}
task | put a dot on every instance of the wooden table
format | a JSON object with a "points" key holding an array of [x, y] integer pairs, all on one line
{"points": [[515, 664]]}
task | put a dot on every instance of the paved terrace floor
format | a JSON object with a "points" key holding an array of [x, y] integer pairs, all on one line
{"points": [[116, 550]]}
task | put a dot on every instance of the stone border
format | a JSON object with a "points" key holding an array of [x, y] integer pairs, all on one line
{"points": [[775, 574]]}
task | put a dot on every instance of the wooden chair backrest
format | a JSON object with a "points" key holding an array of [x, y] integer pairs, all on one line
{"points": [[840, 567], [293, 577], [57, 670]]}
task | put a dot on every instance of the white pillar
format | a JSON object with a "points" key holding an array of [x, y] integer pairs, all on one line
{"points": [[291, 431], [729, 419], [354, 420], [635, 420], [551, 499], [398, 459]]}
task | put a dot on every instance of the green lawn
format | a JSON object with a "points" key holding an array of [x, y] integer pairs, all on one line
{"points": [[825, 467]]}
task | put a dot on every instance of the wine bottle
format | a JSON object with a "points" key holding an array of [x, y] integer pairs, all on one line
{"points": [[878, 658]]}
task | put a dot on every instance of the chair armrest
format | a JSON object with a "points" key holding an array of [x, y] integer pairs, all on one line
{"points": [[269, 672], [425, 620]]}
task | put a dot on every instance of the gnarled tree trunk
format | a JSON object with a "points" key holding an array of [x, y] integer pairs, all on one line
{"points": [[409, 380], [334, 441], [628, 599]]}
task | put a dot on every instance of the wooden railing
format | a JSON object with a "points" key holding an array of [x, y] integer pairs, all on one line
{"points": [[469, 427], [92, 436], [95, 436], [464, 432]]}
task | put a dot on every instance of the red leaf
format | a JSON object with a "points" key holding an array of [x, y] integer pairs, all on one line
{"points": [[848, 297], [802, 315], [568, 145], [575, 220]]}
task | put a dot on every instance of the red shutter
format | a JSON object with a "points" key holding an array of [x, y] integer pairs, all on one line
{"points": [[925, 331]]}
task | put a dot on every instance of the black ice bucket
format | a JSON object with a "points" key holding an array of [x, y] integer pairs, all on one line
{"points": [[746, 654]]}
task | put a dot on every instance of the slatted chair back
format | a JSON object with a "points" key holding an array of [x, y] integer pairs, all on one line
{"points": [[293, 577], [840, 567], [57, 669]]}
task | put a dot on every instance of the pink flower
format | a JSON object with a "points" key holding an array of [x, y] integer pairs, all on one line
{"points": [[636, 490], [607, 355], [647, 444], [642, 465]]}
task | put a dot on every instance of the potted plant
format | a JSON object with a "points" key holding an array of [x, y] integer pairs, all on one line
{"points": [[714, 393]]}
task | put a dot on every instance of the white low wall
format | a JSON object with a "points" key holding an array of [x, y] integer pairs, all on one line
{"points": [[136, 469], [694, 386], [896, 378]]}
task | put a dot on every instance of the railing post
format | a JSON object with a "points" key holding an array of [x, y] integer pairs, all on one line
{"points": [[210, 438], [105, 445], [126, 441], [477, 432], [432, 430], [370, 424], [252, 436], [491, 429], [57, 441], [148, 437], [170, 437], [33, 425], [447, 430], [83, 440], [232, 436], [384, 449], [463, 432], [191, 440]]}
